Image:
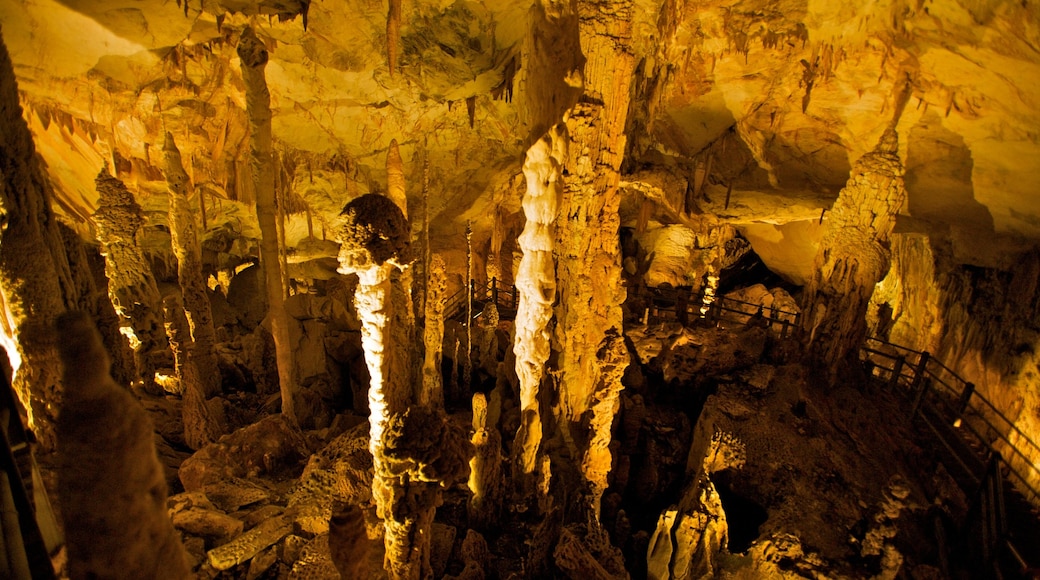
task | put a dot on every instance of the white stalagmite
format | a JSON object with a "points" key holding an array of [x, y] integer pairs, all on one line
{"points": [[536, 283]]}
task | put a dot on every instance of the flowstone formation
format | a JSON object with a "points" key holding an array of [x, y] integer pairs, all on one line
{"points": [[853, 257], [110, 483]]}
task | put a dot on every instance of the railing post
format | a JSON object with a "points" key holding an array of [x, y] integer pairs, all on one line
{"points": [[969, 389], [897, 371], [918, 385]]}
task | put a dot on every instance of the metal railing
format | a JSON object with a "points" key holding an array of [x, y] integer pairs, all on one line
{"points": [[685, 305], [985, 444], [505, 297]]}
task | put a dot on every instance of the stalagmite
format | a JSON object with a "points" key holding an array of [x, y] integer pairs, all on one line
{"points": [[415, 450], [203, 419], [34, 271], [205, 374], [253, 55], [433, 335], [485, 479], [853, 256], [131, 284], [395, 183], [589, 317], [536, 283], [110, 481]]}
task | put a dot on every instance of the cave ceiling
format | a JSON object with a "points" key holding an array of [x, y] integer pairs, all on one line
{"points": [[766, 103]]}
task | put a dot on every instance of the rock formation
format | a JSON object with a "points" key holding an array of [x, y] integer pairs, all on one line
{"points": [[589, 318], [34, 271], [131, 282], [111, 486], [202, 357], [854, 256], [253, 55], [536, 283]]}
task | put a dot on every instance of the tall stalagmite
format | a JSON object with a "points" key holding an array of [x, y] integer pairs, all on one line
{"points": [[131, 284], [432, 393], [253, 55], [416, 450], [35, 280], [203, 354], [592, 355], [536, 283], [854, 256], [110, 482]]}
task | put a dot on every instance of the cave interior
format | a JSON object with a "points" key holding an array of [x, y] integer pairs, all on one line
{"points": [[467, 289]]}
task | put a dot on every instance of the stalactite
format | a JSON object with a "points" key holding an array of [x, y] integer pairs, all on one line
{"points": [[395, 184], [393, 35], [110, 482], [34, 273], [253, 55], [204, 382], [589, 316], [131, 285], [853, 256], [536, 283]]}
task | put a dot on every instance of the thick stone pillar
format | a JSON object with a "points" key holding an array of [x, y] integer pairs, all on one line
{"points": [[853, 257], [131, 284], [416, 451], [35, 281], [592, 357], [253, 55]]}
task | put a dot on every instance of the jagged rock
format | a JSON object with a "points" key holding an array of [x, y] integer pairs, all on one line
{"points": [[266, 447], [230, 495], [249, 544], [442, 541], [209, 524], [262, 562]]}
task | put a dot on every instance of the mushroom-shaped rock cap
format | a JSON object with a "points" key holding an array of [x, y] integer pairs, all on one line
{"points": [[374, 231]]}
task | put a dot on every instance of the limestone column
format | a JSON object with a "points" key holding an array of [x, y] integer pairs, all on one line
{"points": [[131, 284], [373, 238], [203, 355], [35, 281], [592, 357], [253, 55], [486, 481], [536, 283], [853, 256], [204, 420]]}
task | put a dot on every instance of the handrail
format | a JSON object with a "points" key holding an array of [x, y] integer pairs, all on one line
{"points": [[974, 417]]}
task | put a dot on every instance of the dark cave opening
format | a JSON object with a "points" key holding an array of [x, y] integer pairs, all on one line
{"points": [[744, 516]]}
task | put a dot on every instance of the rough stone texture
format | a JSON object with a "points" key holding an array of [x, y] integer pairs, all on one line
{"points": [[253, 56], [486, 478], [433, 334], [111, 486], [268, 446], [131, 284], [203, 419], [35, 279], [853, 257], [589, 316]]}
